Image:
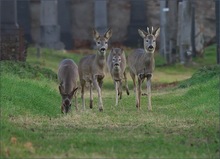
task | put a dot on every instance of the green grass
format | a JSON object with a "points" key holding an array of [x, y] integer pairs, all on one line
{"points": [[184, 122]]}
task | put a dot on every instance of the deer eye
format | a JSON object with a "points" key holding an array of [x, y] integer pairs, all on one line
{"points": [[98, 42], [147, 41]]}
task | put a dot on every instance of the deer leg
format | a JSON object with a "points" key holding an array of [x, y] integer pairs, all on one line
{"points": [[96, 84], [76, 103], [149, 91], [82, 94], [135, 88], [116, 93], [133, 79], [142, 77], [138, 94], [91, 94], [120, 89], [126, 83], [100, 81]]}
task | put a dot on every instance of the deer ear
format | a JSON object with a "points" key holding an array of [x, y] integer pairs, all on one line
{"points": [[157, 32], [61, 89], [142, 33], [95, 34], [122, 50], [108, 33], [74, 91]]}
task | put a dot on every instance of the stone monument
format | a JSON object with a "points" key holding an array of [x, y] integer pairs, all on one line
{"points": [[50, 30]]}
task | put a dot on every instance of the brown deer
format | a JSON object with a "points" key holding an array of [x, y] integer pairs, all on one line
{"points": [[68, 76], [92, 68], [141, 63], [116, 63]]}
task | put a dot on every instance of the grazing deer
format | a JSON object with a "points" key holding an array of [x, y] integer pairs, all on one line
{"points": [[92, 68], [141, 63], [68, 76], [116, 63]]}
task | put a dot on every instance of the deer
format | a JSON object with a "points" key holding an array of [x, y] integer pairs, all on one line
{"points": [[68, 76], [141, 64], [116, 63], [92, 68]]}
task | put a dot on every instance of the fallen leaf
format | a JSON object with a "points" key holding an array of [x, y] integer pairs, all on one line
{"points": [[13, 140], [29, 146]]}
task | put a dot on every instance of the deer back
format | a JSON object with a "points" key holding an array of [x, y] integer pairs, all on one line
{"points": [[68, 75], [141, 62]]}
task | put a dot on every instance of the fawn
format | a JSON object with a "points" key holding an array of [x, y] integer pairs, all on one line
{"points": [[116, 63]]}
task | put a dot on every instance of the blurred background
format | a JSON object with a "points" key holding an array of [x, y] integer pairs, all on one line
{"points": [[187, 26]]}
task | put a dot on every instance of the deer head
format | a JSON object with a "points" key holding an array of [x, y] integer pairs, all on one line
{"points": [[102, 41], [116, 59], [66, 99], [149, 38]]}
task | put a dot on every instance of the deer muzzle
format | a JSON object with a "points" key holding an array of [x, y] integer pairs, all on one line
{"points": [[150, 48], [102, 49], [66, 106]]}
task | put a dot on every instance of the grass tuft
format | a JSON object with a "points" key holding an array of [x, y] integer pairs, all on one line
{"points": [[26, 70], [201, 76]]}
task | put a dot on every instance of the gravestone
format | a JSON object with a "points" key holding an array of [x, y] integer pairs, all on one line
{"points": [[8, 15], [24, 21], [50, 30], [64, 20], [185, 47], [137, 21], [100, 15], [12, 45], [164, 36]]}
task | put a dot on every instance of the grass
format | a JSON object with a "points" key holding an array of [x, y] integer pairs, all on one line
{"points": [[184, 122]]}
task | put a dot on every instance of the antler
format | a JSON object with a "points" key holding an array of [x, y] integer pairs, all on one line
{"points": [[148, 30]]}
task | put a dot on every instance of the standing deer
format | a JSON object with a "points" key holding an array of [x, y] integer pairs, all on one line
{"points": [[141, 63], [116, 63], [68, 76], [92, 68]]}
